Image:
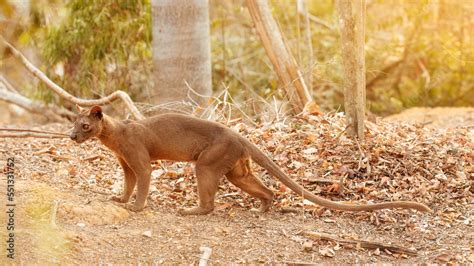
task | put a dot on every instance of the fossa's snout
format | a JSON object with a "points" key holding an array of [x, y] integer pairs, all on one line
{"points": [[73, 136]]}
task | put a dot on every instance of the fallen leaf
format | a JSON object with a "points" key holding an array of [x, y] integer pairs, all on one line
{"points": [[327, 252]]}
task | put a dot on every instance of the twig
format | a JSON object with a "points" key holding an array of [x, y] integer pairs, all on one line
{"points": [[31, 135], [361, 155], [92, 157], [53, 213], [340, 133], [323, 181], [359, 243], [7, 84], [65, 95], [32, 130], [321, 22]]}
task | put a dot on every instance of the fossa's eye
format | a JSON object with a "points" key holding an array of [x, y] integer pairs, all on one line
{"points": [[85, 126]]}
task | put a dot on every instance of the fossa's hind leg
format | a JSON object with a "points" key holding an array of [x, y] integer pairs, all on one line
{"points": [[211, 165], [207, 182], [241, 176]]}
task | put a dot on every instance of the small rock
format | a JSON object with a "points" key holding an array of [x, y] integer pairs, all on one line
{"points": [[147, 233]]}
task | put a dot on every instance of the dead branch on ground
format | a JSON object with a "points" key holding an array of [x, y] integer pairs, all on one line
{"points": [[31, 135], [27, 133], [11, 95], [32, 130], [358, 243]]}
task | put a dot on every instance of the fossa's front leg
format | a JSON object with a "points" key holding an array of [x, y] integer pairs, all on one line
{"points": [[140, 165], [129, 182]]}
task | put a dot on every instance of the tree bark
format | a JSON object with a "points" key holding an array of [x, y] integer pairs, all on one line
{"points": [[352, 27], [281, 58], [181, 51]]}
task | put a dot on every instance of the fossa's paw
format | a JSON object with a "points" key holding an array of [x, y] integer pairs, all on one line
{"points": [[135, 208], [118, 199]]}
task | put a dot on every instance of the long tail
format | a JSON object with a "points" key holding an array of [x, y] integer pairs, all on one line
{"points": [[261, 159]]}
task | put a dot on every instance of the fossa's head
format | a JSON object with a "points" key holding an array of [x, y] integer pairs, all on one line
{"points": [[88, 124]]}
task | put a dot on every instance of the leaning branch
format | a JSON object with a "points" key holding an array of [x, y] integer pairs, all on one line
{"points": [[280, 56], [64, 94], [358, 243]]}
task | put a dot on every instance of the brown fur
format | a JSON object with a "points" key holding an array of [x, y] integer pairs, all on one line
{"points": [[216, 150]]}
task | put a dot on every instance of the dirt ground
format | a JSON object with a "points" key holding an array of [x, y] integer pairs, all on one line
{"points": [[441, 117], [63, 215]]}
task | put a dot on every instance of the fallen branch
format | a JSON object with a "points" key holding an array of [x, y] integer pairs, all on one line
{"points": [[31, 135], [54, 113], [65, 95], [359, 243], [27, 133], [323, 181], [33, 131]]}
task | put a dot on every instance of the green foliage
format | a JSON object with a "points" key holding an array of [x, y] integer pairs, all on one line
{"points": [[102, 46]]}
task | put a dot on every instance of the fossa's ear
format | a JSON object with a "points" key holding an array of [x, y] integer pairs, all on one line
{"points": [[96, 111], [79, 109]]}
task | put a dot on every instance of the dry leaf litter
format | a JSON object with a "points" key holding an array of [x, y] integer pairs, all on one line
{"points": [[397, 162]]}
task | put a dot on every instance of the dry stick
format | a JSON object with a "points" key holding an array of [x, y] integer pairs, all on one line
{"points": [[64, 94], [53, 213], [359, 243], [7, 84], [321, 22], [31, 135], [52, 113], [33, 131]]}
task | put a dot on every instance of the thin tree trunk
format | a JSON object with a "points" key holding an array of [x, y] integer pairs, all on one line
{"points": [[181, 51], [352, 26], [281, 58], [303, 11]]}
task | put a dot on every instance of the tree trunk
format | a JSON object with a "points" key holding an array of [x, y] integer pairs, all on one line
{"points": [[281, 58], [352, 26], [181, 51]]}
